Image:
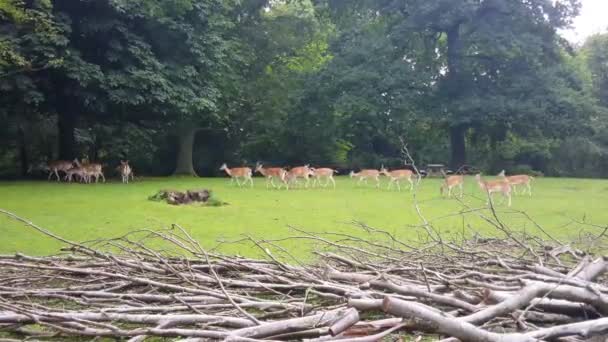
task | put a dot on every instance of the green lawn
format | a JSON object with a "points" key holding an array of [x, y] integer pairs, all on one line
{"points": [[84, 212]]}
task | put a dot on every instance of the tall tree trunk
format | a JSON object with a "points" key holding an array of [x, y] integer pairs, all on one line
{"points": [[458, 145], [66, 124], [184, 165], [23, 155], [459, 129]]}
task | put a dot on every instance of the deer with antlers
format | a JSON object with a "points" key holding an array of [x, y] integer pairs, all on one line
{"points": [[451, 182], [491, 187], [396, 176], [237, 173], [516, 180], [323, 173], [365, 174], [272, 173], [125, 171], [54, 167]]}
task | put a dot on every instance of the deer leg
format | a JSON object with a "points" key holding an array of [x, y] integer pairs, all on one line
{"points": [[103, 177], [378, 182], [411, 184], [529, 189], [333, 181], [57, 174], [398, 185], [461, 190], [449, 191]]}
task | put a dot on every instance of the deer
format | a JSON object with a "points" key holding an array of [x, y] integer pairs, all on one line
{"points": [[299, 172], [238, 172], [451, 182], [491, 187], [54, 167], [518, 180], [271, 173], [321, 173], [92, 170], [125, 171], [76, 171], [396, 176], [365, 174]]}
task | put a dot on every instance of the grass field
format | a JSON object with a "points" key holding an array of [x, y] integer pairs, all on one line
{"points": [[84, 212]]}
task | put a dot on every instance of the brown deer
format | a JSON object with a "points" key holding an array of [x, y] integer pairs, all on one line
{"points": [[451, 182], [78, 171], [272, 173], [92, 170], [125, 171], [491, 187], [396, 176], [365, 174], [518, 180], [54, 167], [295, 173], [238, 172], [321, 173]]}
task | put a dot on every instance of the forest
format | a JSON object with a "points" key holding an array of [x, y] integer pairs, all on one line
{"points": [[181, 86]]}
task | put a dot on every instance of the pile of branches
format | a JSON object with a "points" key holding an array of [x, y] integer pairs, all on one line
{"points": [[366, 286], [176, 197]]}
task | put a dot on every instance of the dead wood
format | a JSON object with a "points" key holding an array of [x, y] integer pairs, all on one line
{"points": [[366, 286]]}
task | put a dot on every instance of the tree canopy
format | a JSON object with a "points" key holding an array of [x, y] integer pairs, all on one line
{"points": [[183, 85]]}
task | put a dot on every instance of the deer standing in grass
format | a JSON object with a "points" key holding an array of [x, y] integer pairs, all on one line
{"points": [[92, 170], [55, 167], [396, 176], [366, 174], [321, 173], [78, 171], [491, 187], [298, 172], [125, 171], [272, 173], [518, 180], [235, 173], [451, 182]]}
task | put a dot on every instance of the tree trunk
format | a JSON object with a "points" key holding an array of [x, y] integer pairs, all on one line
{"points": [[184, 165], [66, 124], [458, 144], [23, 155], [458, 130]]}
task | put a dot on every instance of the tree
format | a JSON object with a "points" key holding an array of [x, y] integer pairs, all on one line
{"points": [[594, 54]]}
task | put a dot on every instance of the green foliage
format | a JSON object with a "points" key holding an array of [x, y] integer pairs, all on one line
{"points": [[594, 54], [326, 82]]}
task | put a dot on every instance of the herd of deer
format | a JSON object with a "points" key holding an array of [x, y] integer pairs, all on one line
{"points": [[85, 172], [506, 185]]}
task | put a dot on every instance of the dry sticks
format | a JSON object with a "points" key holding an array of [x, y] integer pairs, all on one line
{"points": [[367, 285]]}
